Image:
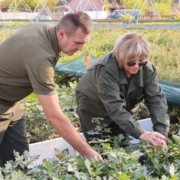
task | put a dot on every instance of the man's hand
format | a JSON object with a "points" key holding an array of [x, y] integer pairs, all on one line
{"points": [[155, 139], [92, 154]]}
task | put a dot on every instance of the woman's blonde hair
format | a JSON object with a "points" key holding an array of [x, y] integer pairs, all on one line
{"points": [[131, 46]]}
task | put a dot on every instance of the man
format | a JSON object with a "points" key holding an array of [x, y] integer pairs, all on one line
{"points": [[27, 61]]}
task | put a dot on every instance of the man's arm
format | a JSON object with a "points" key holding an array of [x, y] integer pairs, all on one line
{"points": [[64, 127]]}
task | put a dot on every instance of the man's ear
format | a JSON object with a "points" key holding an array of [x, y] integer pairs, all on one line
{"points": [[61, 34]]}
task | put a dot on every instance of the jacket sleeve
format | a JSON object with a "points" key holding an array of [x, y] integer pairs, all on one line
{"points": [[156, 103], [115, 104]]}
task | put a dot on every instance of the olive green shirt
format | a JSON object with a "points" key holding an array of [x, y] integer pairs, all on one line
{"points": [[106, 85], [27, 62]]}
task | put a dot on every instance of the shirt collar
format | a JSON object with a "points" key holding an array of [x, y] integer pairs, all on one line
{"points": [[54, 41]]}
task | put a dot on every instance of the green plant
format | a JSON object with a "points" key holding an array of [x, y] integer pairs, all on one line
{"points": [[37, 127], [161, 163], [118, 164], [106, 141]]}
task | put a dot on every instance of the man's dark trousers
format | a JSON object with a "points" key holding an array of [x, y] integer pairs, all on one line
{"points": [[12, 138]]}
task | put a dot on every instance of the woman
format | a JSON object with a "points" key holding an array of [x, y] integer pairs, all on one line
{"points": [[113, 88]]}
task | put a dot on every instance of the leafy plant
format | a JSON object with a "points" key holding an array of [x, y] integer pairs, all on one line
{"points": [[118, 164], [37, 127], [161, 163]]}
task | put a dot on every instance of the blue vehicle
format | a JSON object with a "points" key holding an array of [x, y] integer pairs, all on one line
{"points": [[120, 14]]}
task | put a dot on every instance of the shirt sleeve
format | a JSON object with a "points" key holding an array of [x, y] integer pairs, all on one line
{"points": [[115, 104], [155, 101], [41, 75]]}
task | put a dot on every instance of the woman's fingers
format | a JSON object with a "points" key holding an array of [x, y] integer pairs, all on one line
{"points": [[155, 139], [165, 147], [158, 140], [158, 135], [161, 140]]}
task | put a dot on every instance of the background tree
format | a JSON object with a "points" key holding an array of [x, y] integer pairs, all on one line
{"points": [[20, 4], [51, 4], [112, 4], [134, 4], [163, 7], [107, 5], [32, 4]]}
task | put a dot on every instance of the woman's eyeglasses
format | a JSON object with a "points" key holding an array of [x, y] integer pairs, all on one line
{"points": [[142, 63]]}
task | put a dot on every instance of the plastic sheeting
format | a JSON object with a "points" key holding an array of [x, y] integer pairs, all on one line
{"points": [[75, 67], [172, 91]]}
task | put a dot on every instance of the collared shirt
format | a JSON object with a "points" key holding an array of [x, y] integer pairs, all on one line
{"points": [[27, 59]]}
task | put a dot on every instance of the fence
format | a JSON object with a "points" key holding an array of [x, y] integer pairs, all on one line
{"points": [[54, 15], [14, 15]]}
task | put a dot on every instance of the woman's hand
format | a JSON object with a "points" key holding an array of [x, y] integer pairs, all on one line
{"points": [[155, 139]]}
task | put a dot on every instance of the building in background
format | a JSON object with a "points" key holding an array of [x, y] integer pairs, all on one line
{"points": [[79, 5]]}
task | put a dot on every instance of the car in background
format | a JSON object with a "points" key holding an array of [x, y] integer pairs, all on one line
{"points": [[121, 13], [40, 18]]}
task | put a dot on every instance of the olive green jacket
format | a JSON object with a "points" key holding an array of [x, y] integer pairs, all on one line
{"points": [[106, 91]]}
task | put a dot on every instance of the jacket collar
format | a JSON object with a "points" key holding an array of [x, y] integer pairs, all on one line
{"points": [[136, 81], [119, 73]]}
